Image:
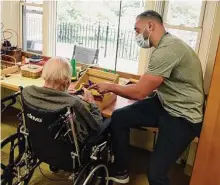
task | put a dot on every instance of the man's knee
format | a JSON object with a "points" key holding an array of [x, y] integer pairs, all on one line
{"points": [[119, 114], [118, 118]]}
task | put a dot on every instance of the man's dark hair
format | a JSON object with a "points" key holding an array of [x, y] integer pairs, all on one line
{"points": [[152, 15]]}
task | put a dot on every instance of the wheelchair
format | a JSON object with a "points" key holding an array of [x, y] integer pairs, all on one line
{"points": [[45, 136]]}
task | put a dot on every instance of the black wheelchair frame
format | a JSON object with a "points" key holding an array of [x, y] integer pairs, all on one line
{"points": [[21, 167]]}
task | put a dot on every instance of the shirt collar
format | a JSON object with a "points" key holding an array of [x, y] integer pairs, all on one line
{"points": [[161, 39]]}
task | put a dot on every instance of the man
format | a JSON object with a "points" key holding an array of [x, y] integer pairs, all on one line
{"points": [[174, 70], [53, 95]]}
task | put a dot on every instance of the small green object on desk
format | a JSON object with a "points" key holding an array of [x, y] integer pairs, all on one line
{"points": [[113, 71], [110, 71], [74, 72]]}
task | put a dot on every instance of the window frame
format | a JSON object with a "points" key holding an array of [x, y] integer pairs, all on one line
{"points": [[197, 29], [22, 5], [143, 58], [144, 54]]}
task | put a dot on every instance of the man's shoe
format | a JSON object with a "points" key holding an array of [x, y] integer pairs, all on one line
{"points": [[117, 176]]}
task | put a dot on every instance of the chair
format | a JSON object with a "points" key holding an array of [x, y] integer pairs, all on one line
{"points": [[85, 55], [51, 137]]}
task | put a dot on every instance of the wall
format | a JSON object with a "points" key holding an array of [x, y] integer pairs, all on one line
{"points": [[207, 54], [209, 40], [10, 17]]}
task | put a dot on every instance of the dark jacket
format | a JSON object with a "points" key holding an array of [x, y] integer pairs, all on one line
{"points": [[88, 116]]}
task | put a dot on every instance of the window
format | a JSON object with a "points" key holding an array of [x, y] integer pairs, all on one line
{"points": [[34, 1], [94, 24], [32, 21], [97, 28], [184, 20]]}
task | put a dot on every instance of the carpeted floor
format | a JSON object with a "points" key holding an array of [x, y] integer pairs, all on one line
{"points": [[137, 166]]}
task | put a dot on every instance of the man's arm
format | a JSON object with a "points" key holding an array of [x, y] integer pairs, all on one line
{"points": [[145, 86], [161, 64]]}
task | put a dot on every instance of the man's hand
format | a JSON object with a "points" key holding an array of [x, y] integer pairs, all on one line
{"points": [[102, 87], [146, 85]]}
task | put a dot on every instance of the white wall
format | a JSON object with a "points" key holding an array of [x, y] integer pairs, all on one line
{"points": [[10, 17]]}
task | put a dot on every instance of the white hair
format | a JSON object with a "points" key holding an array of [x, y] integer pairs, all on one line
{"points": [[57, 69]]}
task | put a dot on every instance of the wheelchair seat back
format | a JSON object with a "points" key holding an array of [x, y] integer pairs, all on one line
{"points": [[43, 127]]}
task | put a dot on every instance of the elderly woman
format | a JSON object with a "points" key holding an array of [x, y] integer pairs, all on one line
{"points": [[53, 95]]}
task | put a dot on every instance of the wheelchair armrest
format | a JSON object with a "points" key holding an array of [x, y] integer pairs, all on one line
{"points": [[11, 97], [8, 139]]}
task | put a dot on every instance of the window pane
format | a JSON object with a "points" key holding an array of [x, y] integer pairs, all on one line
{"points": [[32, 29], [79, 24], [33, 9], [34, 1], [96, 27], [188, 37], [128, 50], [185, 13]]}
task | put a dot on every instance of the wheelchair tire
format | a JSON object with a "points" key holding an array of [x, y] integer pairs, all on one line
{"points": [[9, 171], [96, 178]]}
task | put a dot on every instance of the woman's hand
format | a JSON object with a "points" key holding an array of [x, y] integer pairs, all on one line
{"points": [[87, 96], [71, 91]]}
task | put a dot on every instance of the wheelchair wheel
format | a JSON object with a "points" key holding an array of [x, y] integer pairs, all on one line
{"points": [[93, 176], [95, 173], [13, 167]]}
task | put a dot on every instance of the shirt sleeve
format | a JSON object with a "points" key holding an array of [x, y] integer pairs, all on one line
{"points": [[162, 62], [91, 116], [96, 113]]}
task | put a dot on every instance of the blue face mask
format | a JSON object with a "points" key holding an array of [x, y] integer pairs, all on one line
{"points": [[143, 43]]}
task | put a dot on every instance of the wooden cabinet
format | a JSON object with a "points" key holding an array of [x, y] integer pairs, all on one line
{"points": [[206, 169]]}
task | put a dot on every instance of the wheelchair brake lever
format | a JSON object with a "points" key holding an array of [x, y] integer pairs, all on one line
{"points": [[93, 156], [97, 149]]}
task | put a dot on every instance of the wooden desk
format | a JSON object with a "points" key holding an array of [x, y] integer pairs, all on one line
{"points": [[119, 103], [15, 80]]}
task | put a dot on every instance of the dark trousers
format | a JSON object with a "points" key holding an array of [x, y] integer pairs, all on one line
{"points": [[103, 131], [175, 134]]}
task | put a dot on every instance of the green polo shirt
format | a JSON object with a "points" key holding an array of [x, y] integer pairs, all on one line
{"points": [[182, 92]]}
